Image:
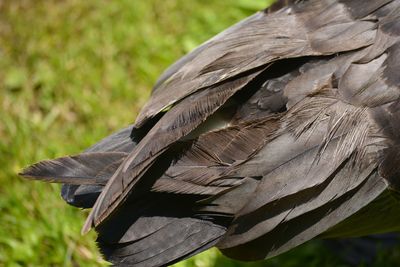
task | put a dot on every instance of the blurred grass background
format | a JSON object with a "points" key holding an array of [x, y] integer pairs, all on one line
{"points": [[72, 72]]}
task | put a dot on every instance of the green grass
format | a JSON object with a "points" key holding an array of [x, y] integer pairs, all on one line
{"points": [[72, 72]]}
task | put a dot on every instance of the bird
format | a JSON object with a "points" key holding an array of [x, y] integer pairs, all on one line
{"points": [[281, 129]]}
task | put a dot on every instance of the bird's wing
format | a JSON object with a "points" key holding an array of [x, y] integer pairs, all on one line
{"points": [[230, 62], [312, 138]]}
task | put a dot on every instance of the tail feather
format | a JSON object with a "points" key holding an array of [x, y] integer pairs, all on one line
{"points": [[84, 196], [175, 241], [156, 230], [82, 169]]}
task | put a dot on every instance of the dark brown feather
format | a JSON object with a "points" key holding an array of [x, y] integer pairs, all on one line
{"points": [[281, 129], [86, 168]]}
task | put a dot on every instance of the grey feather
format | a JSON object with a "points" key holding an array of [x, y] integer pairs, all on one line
{"points": [[86, 168], [281, 129]]}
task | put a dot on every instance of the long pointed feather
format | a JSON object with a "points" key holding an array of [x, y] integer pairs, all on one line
{"points": [[86, 168]]}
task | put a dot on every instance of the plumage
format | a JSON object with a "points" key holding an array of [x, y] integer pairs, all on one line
{"points": [[283, 128]]}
